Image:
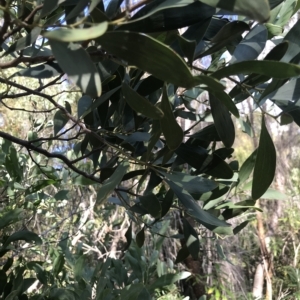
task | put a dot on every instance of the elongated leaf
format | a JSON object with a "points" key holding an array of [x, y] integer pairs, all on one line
{"points": [[111, 183], [193, 209], [191, 239], [289, 92], [253, 79], [286, 12], [217, 167], [58, 264], [272, 194], [273, 69], [140, 237], [59, 121], [169, 15], [195, 156], [225, 36], [132, 291], [78, 9], [182, 254], [149, 55], [168, 279], [100, 100], [258, 10], [43, 71], [216, 89], [265, 164], [247, 167], [79, 267], [10, 217], [49, 6], [81, 180], [170, 128], [152, 205], [208, 133], [252, 45], [25, 41], [192, 184], [222, 121], [140, 104], [83, 104], [75, 61], [23, 235], [77, 34]]}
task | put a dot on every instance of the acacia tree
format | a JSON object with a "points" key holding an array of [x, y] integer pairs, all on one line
{"points": [[139, 77]]}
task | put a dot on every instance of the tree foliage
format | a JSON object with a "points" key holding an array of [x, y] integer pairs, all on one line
{"points": [[139, 77]]}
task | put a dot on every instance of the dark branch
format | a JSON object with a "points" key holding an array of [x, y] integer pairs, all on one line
{"points": [[29, 146]]}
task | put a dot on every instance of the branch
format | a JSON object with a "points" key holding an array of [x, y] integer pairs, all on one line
{"points": [[6, 22], [23, 24], [40, 59], [26, 59], [29, 146]]}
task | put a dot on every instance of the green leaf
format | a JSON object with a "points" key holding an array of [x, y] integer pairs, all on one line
{"points": [[152, 205], [272, 194], [24, 41], [75, 61], [252, 45], [167, 202], [10, 217], [217, 167], [76, 34], [287, 94], [241, 207], [253, 79], [168, 279], [110, 184], [191, 239], [286, 12], [49, 6], [78, 268], [170, 128], [286, 119], [192, 184], [62, 195], [240, 227], [76, 9], [222, 121], [247, 167], [128, 236], [155, 135], [265, 163], [258, 10], [58, 264], [141, 104], [208, 133], [59, 121], [182, 254], [131, 291], [168, 15], [83, 104], [149, 55], [195, 156], [273, 69], [100, 100], [224, 37], [140, 237], [23, 235], [42, 71], [82, 180], [193, 209]]}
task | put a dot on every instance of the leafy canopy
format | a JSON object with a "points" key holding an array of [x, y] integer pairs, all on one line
{"points": [[139, 76]]}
